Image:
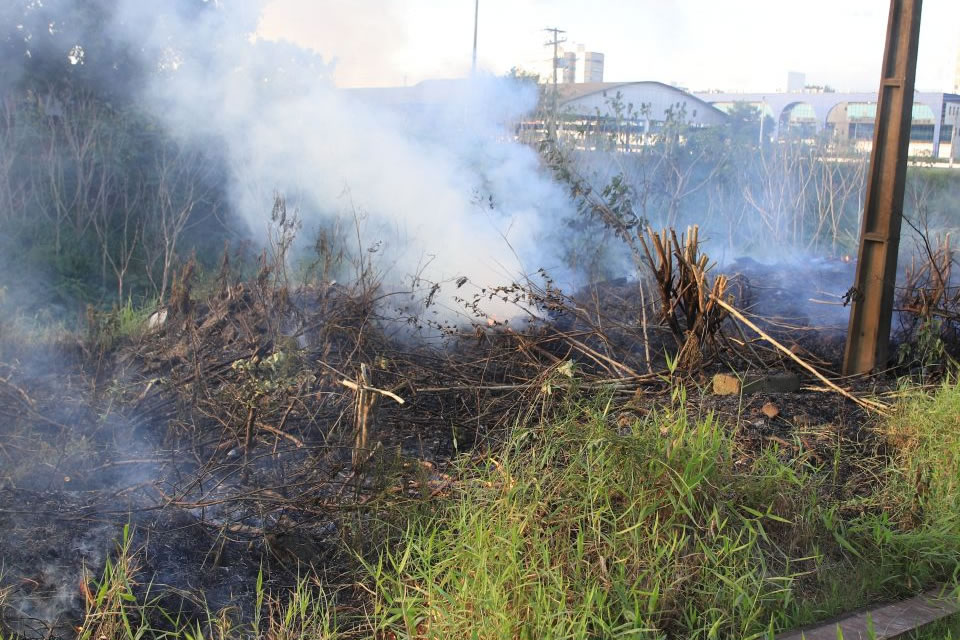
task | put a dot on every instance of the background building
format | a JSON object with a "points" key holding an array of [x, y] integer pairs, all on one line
{"points": [[590, 112], [640, 108], [592, 67], [796, 81], [844, 118], [575, 65], [581, 52], [849, 117], [569, 67]]}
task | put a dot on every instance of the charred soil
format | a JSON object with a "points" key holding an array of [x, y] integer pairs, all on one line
{"points": [[269, 430]]}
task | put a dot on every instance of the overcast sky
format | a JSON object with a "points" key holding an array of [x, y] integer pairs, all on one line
{"points": [[746, 45]]}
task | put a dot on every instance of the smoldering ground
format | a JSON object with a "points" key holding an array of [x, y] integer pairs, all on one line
{"points": [[435, 192]]}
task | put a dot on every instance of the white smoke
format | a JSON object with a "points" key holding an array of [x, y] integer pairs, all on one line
{"points": [[439, 181]]}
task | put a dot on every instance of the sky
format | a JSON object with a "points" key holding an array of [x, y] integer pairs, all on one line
{"points": [[731, 45]]}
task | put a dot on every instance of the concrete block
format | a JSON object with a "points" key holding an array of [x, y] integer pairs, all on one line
{"points": [[727, 384], [882, 622]]}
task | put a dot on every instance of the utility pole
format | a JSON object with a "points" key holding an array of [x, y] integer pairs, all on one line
{"points": [[476, 15], [556, 42], [763, 116], [955, 140], [872, 295]]}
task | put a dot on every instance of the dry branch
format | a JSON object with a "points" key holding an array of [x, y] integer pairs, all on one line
{"points": [[870, 405]]}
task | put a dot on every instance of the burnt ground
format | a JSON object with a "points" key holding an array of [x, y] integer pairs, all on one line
{"points": [[75, 473], [150, 434], [78, 468], [225, 458], [802, 306]]}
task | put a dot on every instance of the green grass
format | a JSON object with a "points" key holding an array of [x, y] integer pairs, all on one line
{"points": [[119, 607], [20, 330], [124, 322], [16, 327], [578, 531], [580, 528], [942, 630]]}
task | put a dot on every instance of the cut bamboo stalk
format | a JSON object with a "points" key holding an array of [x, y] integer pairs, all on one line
{"points": [[364, 402]]}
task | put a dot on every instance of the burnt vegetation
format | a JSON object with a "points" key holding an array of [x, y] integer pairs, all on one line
{"points": [[208, 433]]}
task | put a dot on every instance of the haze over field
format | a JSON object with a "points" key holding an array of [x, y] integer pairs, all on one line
{"points": [[740, 45]]}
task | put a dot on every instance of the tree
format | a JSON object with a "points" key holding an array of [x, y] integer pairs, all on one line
{"points": [[744, 124], [181, 189], [522, 75]]}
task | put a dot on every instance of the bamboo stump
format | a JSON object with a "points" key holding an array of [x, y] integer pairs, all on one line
{"points": [[365, 400]]}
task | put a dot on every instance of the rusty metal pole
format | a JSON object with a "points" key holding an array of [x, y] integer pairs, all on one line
{"points": [[872, 295]]}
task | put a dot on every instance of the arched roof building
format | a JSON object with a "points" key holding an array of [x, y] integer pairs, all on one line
{"points": [[936, 116], [658, 99]]}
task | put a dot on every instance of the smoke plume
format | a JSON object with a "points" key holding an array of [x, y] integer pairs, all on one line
{"points": [[438, 187]]}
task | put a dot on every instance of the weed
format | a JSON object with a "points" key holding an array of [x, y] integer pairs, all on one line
{"points": [[577, 531], [112, 609], [124, 322]]}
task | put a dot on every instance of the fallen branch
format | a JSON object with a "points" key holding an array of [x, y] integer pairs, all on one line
{"points": [[870, 405], [279, 432]]}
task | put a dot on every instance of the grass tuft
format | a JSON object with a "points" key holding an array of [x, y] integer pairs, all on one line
{"points": [[581, 529]]}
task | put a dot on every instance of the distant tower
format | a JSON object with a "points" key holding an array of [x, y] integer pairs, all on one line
{"points": [[956, 74], [592, 67], [581, 51], [796, 81], [569, 67]]}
